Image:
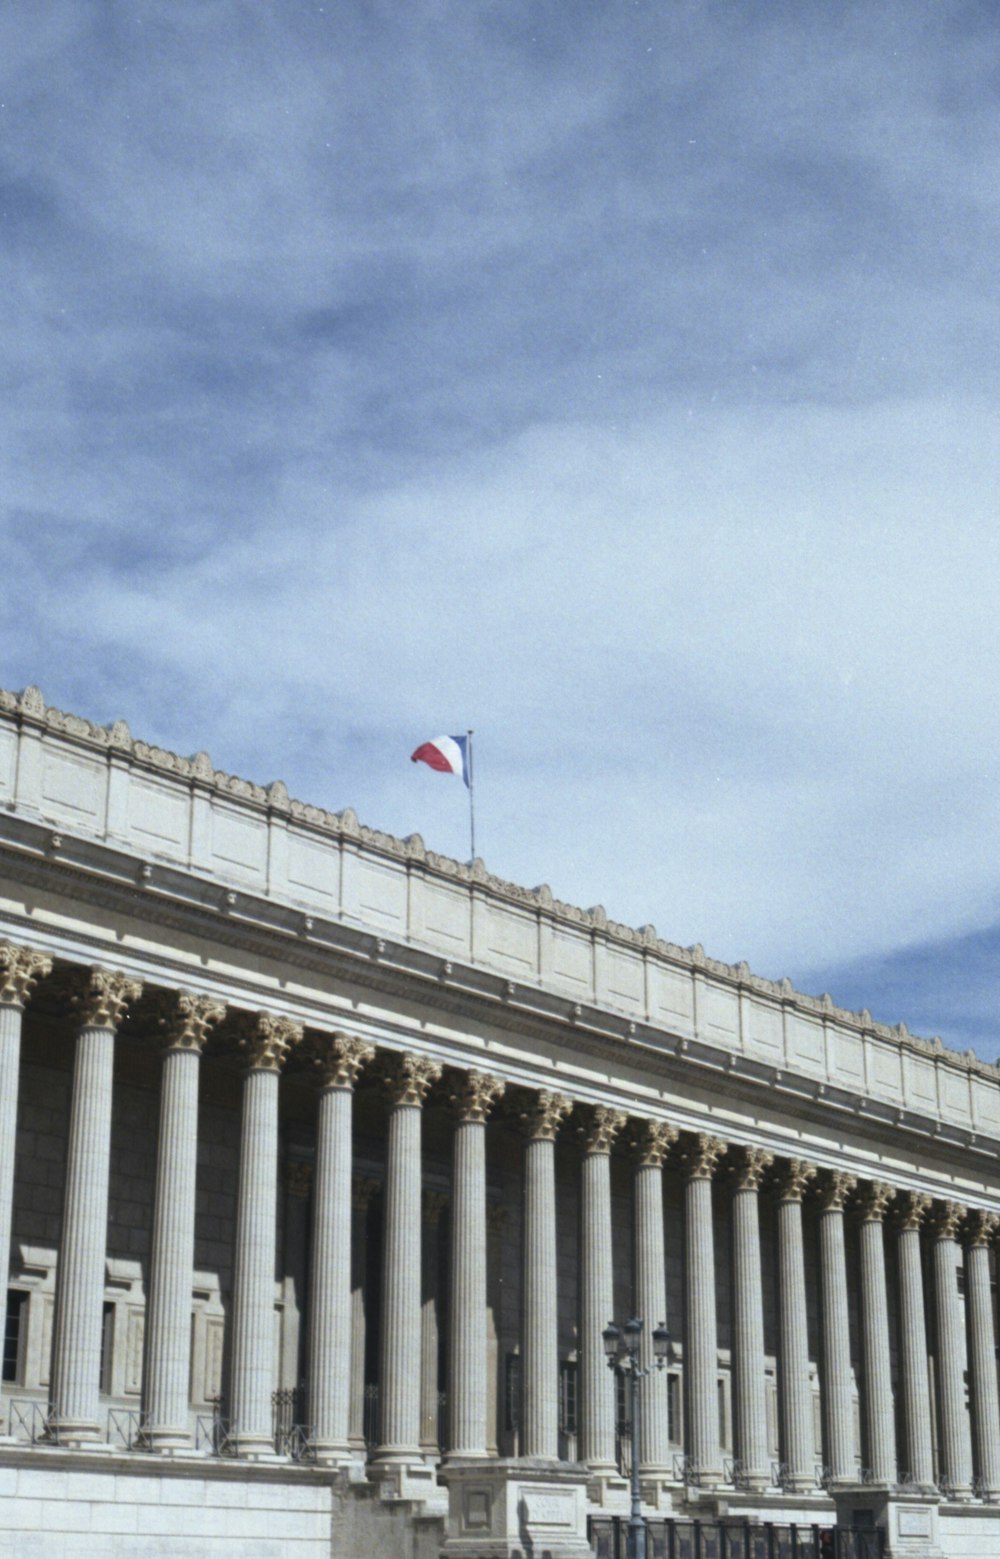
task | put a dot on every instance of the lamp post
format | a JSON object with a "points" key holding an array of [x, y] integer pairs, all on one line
{"points": [[621, 1346]]}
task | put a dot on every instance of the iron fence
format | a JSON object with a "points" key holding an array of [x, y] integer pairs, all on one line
{"points": [[667, 1538]]}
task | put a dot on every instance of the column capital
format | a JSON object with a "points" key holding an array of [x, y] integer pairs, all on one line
{"points": [[751, 1164], [408, 1079], [947, 1219], [911, 1210], [980, 1227], [601, 1128], [544, 1115], [652, 1142], [833, 1189], [20, 967], [363, 1189], [104, 1002], [873, 1200], [793, 1178], [701, 1155], [473, 1095], [186, 1019], [266, 1041], [340, 1058]]}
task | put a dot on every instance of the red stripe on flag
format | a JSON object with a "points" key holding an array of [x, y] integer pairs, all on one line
{"points": [[433, 757]]}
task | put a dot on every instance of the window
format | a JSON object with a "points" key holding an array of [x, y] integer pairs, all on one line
{"points": [[17, 1315], [512, 1393], [567, 1397], [107, 1347]]}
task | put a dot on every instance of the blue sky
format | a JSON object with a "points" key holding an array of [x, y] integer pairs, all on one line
{"points": [[619, 380]]}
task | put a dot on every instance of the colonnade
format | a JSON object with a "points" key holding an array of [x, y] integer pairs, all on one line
{"points": [[966, 1461]]}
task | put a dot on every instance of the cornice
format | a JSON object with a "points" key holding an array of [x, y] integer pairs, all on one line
{"points": [[29, 710]]}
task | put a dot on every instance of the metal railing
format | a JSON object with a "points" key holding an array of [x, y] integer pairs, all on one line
{"points": [[126, 1429], [736, 1538], [28, 1419]]}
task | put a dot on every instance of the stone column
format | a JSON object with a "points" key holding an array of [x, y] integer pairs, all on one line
{"points": [[339, 1062], [398, 1459], [597, 1386], [539, 1416], [798, 1443], [955, 1459], [913, 1342], [432, 1207], [980, 1232], [76, 1343], [20, 967], [838, 1404], [653, 1143], [748, 1321], [166, 1384], [363, 1188], [266, 1043], [880, 1421], [701, 1349], [472, 1100]]}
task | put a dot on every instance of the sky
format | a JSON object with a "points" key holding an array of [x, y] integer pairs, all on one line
{"points": [[618, 380]]}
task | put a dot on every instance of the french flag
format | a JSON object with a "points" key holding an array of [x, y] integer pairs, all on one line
{"points": [[447, 754]]}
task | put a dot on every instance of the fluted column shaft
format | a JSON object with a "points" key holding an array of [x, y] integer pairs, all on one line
{"points": [[913, 1344], [652, 1146], [329, 1347], [20, 967], [880, 1423], [171, 1267], [267, 1044], [982, 1342], [956, 1445], [701, 1349], [748, 1321], [597, 1387], [467, 1378], [799, 1451], [837, 1399], [76, 1343], [400, 1373], [540, 1420]]}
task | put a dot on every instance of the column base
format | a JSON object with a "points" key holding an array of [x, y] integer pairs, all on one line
{"points": [[334, 1454], [606, 1487], [255, 1448], [505, 1508], [76, 1434], [168, 1442], [404, 1475]]}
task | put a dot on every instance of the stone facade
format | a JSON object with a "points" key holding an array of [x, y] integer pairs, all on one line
{"points": [[324, 1161]]}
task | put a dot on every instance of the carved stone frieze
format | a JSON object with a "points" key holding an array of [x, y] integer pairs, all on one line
{"points": [[20, 968], [105, 999], [363, 1189], [750, 1167], [408, 1078], [298, 1177], [873, 1200], [912, 1210], [543, 1115], [340, 1059], [701, 1155], [833, 1189], [474, 1094], [601, 1128], [186, 1019], [432, 1205], [652, 1142], [981, 1227], [792, 1179], [947, 1220], [266, 1041]]}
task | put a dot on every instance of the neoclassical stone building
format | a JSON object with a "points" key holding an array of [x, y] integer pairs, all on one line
{"points": [[324, 1161]]}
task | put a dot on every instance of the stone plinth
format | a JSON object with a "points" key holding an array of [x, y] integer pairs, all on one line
{"points": [[911, 1522], [504, 1509]]}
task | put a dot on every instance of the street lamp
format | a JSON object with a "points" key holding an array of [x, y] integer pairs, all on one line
{"points": [[621, 1346]]}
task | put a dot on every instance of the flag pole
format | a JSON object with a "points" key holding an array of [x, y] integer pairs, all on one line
{"points": [[472, 807]]}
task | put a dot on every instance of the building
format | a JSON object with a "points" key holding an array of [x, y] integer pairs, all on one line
{"points": [[324, 1162]]}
